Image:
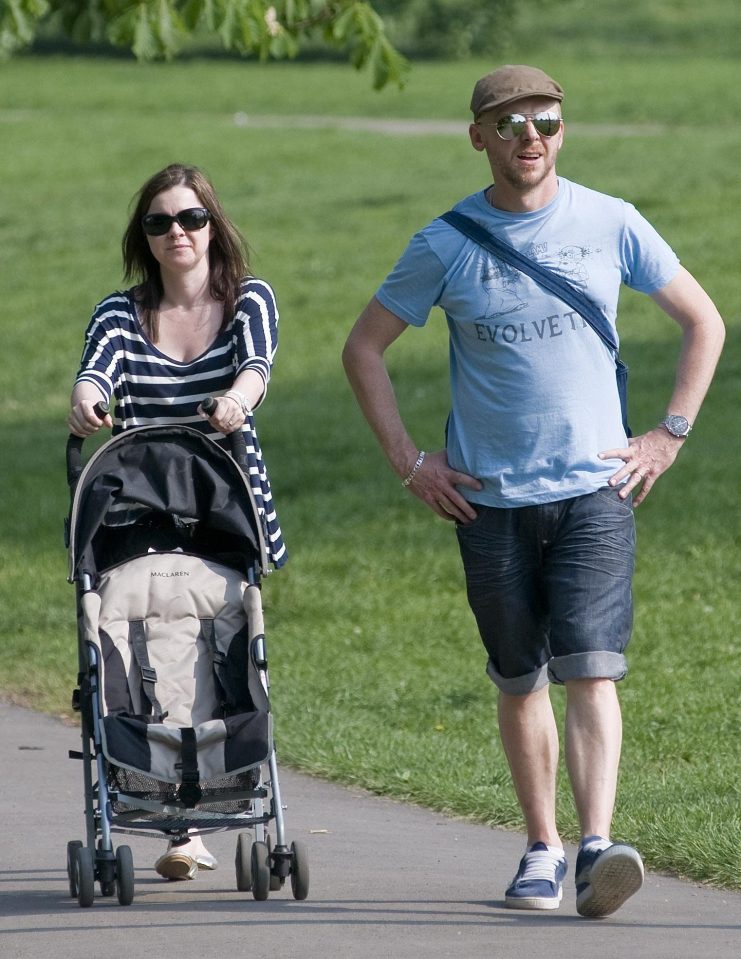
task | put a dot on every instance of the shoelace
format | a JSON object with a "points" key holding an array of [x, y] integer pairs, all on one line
{"points": [[540, 865]]}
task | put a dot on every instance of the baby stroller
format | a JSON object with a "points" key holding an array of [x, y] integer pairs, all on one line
{"points": [[166, 551]]}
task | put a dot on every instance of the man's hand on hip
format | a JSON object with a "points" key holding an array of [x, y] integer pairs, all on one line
{"points": [[435, 484], [645, 458]]}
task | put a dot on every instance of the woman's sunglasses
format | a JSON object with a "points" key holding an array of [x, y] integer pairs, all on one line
{"points": [[157, 224], [546, 124]]}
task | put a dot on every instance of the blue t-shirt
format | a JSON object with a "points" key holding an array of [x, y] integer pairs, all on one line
{"points": [[534, 398]]}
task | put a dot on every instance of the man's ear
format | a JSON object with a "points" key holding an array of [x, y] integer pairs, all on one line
{"points": [[474, 132]]}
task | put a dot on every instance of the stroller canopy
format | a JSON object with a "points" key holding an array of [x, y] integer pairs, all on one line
{"points": [[156, 473]]}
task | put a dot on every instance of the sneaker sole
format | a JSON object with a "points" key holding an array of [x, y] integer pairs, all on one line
{"points": [[615, 876], [533, 902]]}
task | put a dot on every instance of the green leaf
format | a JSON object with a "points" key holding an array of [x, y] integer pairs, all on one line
{"points": [[169, 28], [18, 22], [341, 25], [227, 29], [144, 43], [195, 11]]}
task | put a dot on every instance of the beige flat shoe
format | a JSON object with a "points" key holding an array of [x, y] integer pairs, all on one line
{"points": [[176, 865], [195, 848]]}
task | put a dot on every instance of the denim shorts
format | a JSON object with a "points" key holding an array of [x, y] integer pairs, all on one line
{"points": [[550, 587]]}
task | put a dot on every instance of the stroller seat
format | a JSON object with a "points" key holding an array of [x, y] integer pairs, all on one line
{"points": [[181, 699]]}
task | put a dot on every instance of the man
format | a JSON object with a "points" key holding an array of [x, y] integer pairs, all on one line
{"points": [[538, 473]]}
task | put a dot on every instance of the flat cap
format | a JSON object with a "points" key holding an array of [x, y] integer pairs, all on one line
{"points": [[509, 83]]}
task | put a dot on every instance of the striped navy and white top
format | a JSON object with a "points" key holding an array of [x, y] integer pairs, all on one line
{"points": [[152, 389]]}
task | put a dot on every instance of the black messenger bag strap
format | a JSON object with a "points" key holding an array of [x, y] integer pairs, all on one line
{"points": [[546, 278], [552, 282]]}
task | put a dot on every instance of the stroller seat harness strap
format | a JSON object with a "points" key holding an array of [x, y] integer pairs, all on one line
{"points": [[190, 790], [138, 641], [218, 661]]}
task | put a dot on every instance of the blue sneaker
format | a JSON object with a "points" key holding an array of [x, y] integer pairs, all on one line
{"points": [[606, 876], [537, 884]]}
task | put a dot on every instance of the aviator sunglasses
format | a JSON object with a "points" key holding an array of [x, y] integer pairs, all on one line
{"points": [[509, 127], [157, 224]]}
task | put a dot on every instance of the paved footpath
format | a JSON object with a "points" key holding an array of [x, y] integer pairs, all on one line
{"points": [[387, 880]]}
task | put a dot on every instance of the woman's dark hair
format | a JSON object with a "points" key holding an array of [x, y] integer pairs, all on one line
{"points": [[227, 253]]}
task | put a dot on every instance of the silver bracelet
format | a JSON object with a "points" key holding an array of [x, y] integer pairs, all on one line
{"points": [[415, 468], [241, 400]]}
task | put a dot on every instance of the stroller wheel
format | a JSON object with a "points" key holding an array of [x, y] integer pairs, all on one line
{"points": [[260, 863], [276, 881], [299, 870], [85, 874], [125, 875], [72, 846], [105, 871], [243, 862], [107, 889]]}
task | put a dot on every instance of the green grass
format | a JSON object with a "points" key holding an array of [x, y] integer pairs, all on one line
{"points": [[378, 675]]}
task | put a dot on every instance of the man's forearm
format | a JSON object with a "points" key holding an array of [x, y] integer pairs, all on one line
{"points": [[376, 397]]}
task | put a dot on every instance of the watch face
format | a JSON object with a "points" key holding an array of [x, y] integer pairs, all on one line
{"points": [[677, 425]]}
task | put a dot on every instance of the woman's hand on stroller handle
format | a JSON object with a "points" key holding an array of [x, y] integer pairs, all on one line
{"points": [[223, 413], [211, 407], [87, 417]]}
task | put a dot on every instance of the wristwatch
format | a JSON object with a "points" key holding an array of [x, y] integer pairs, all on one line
{"points": [[678, 426]]}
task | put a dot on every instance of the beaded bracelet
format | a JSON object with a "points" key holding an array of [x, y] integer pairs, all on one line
{"points": [[240, 399], [415, 469]]}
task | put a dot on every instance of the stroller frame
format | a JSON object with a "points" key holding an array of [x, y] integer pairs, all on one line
{"points": [[119, 797]]}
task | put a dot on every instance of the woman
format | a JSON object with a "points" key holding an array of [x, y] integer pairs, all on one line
{"points": [[196, 324]]}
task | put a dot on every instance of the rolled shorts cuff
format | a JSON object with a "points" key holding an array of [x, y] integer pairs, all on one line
{"points": [[598, 664], [518, 685], [560, 669]]}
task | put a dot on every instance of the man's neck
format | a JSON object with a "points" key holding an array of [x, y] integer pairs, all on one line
{"points": [[510, 199]]}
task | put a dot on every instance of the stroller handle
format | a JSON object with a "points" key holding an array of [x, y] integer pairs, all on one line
{"points": [[236, 438], [101, 409], [74, 447]]}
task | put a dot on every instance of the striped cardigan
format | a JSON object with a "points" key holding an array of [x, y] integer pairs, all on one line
{"points": [[152, 389]]}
